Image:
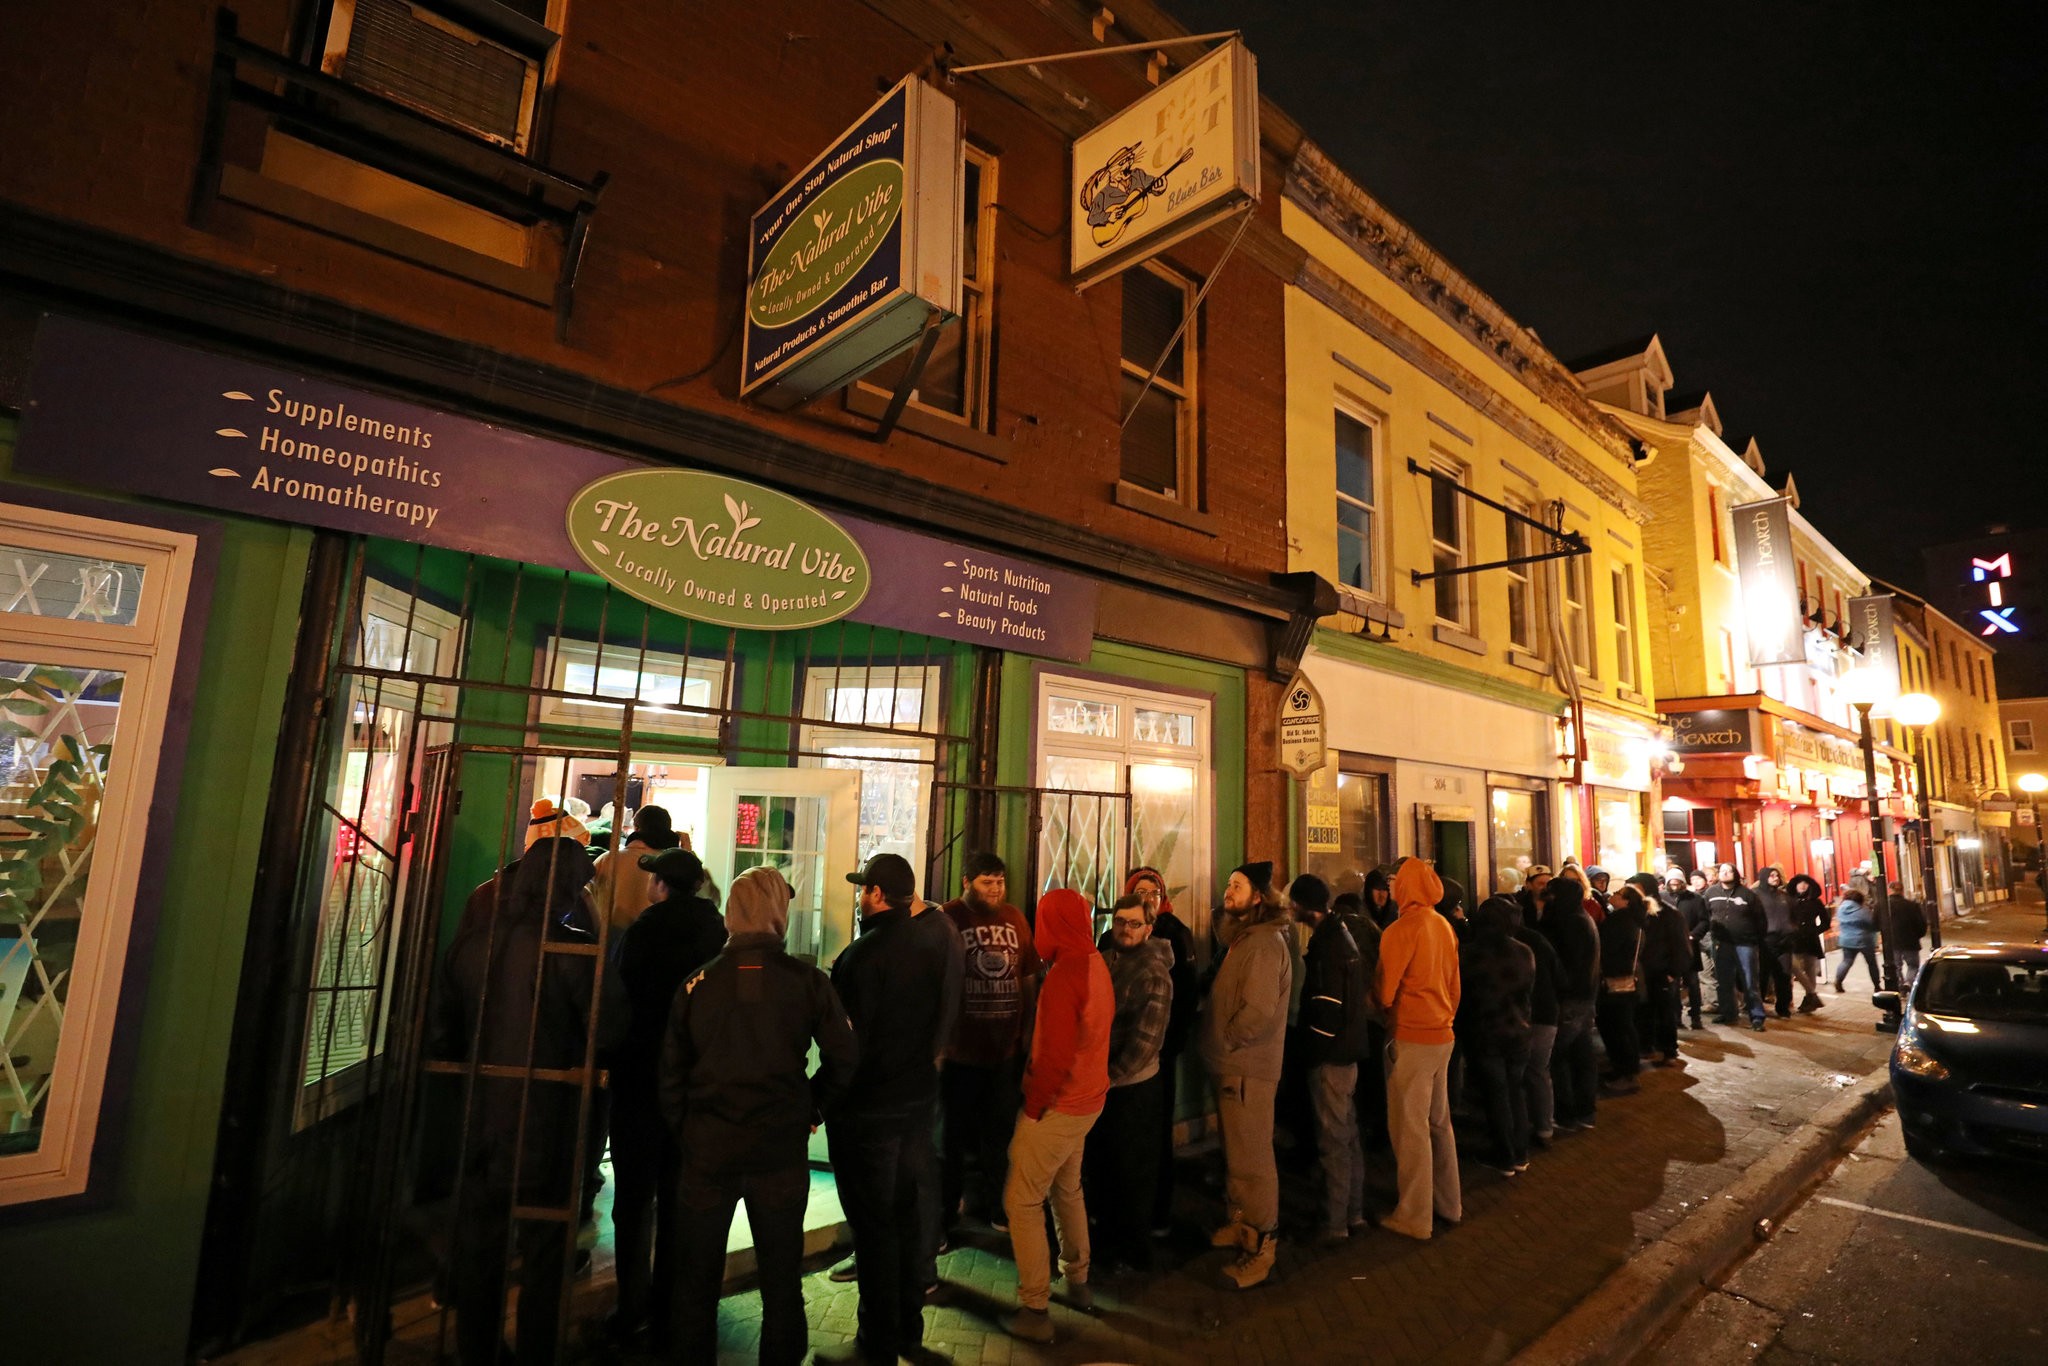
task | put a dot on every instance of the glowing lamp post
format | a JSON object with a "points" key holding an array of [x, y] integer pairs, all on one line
{"points": [[1864, 688], [1916, 711]]}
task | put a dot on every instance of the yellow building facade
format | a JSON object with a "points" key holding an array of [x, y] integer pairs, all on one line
{"points": [[1969, 786], [1491, 720]]}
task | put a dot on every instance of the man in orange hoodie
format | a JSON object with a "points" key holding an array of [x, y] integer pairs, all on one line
{"points": [[1065, 1083], [1418, 986]]}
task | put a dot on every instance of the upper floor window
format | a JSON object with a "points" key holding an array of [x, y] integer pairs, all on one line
{"points": [[1625, 625], [955, 381], [1578, 582], [1358, 502], [476, 65], [2021, 734], [1159, 438], [1525, 608], [1448, 541], [1716, 516]]}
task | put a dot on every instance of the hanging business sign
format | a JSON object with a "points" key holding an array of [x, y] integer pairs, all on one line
{"points": [[717, 549], [1714, 731], [1877, 641], [1304, 744], [1996, 576], [849, 260], [1770, 585], [1168, 166]]}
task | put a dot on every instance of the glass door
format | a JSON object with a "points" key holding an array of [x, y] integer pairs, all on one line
{"points": [[804, 821]]}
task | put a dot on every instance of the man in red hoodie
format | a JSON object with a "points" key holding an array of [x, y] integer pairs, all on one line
{"points": [[1064, 1086]]}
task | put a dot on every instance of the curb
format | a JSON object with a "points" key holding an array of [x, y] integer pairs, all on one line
{"points": [[1624, 1314]]}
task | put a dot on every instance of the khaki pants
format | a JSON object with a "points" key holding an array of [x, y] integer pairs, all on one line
{"points": [[1425, 1149], [1045, 1155], [1244, 1111]]}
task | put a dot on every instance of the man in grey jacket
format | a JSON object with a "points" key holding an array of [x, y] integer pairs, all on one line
{"points": [[1244, 1032]]}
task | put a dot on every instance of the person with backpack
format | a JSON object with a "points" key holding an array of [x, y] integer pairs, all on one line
{"points": [[1334, 1017], [1498, 974], [1856, 936]]}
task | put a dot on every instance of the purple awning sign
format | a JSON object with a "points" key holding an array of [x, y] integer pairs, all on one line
{"points": [[120, 411]]}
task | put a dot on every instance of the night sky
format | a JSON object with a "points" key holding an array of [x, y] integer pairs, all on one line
{"points": [[1831, 215]]}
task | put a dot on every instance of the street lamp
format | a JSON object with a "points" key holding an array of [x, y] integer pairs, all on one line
{"points": [[1864, 687], [1916, 711], [2033, 784]]}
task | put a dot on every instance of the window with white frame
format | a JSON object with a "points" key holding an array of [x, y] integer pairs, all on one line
{"points": [[90, 617], [1358, 500], [1624, 579], [1127, 772], [678, 694], [955, 380], [1448, 541], [1525, 607], [1578, 633], [880, 720], [2021, 734], [1158, 444]]}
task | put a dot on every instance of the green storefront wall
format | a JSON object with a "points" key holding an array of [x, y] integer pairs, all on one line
{"points": [[115, 1283]]}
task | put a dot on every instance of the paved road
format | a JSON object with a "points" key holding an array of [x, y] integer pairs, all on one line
{"points": [[1888, 1261]]}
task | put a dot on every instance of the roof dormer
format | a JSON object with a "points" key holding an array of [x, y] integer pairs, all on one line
{"points": [[1633, 375], [1695, 408], [1791, 489], [1753, 457]]}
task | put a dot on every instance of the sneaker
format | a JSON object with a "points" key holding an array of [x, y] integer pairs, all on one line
{"points": [[1521, 1167], [1032, 1325], [846, 1273]]}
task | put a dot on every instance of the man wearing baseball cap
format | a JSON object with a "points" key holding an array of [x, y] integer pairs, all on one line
{"points": [[892, 980]]}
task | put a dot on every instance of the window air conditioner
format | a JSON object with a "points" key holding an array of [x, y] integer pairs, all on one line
{"points": [[428, 61]]}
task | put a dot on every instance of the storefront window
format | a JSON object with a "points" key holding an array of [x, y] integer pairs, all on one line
{"points": [[1136, 764], [1517, 837], [678, 694], [896, 771], [1344, 824], [1691, 838], [1619, 817]]}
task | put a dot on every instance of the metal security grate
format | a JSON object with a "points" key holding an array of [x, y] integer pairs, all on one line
{"points": [[410, 56]]}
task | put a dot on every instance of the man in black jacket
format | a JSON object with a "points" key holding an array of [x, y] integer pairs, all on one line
{"points": [[1677, 895], [734, 1090], [1574, 1070], [1543, 1016], [1775, 971], [1908, 928], [1334, 994], [678, 933], [1737, 921], [892, 980]]}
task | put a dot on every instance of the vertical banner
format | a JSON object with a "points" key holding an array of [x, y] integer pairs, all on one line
{"points": [[1877, 640], [1770, 585]]}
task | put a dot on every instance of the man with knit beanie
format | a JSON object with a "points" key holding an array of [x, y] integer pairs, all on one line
{"points": [[734, 1091], [1244, 1033], [1419, 988], [1333, 1033], [1064, 1085]]}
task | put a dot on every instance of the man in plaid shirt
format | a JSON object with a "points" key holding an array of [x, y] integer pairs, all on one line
{"points": [[1122, 1163]]}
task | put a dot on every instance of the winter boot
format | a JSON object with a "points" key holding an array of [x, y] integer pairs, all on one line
{"points": [[1233, 1234], [1255, 1262]]}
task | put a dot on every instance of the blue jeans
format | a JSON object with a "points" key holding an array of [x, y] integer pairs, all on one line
{"points": [[1735, 982], [1849, 957]]}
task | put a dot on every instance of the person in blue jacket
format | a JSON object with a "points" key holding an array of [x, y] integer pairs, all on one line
{"points": [[1856, 932]]}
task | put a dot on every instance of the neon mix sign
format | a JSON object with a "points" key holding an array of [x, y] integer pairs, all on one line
{"points": [[1994, 575]]}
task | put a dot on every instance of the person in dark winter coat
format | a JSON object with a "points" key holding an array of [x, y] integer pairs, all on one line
{"points": [[1334, 996], [1499, 976], [1121, 1167], [1372, 1075], [1909, 927], [1667, 950], [1541, 1096], [734, 1089], [1775, 972], [1804, 949], [1621, 985], [496, 993], [1678, 894], [1379, 898], [1574, 1070], [1736, 919], [1530, 898], [1170, 929], [676, 934]]}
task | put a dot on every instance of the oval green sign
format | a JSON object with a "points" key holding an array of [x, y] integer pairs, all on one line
{"points": [[826, 245], [718, 550]]}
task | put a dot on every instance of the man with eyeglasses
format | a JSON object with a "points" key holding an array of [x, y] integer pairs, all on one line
{"points": [[1122, 1163]]}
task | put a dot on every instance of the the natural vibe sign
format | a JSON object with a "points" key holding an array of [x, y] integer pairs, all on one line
{"points": [[717, 549]]}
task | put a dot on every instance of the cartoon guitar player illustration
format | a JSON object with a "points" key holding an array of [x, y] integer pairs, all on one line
{"points": [[1118, 193]]}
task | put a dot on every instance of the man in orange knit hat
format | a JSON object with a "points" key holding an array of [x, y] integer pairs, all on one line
{"points": [[1418, 986]]}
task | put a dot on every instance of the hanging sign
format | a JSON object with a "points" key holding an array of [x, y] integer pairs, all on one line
{"points": [[847, 263], [1770, 586], [1714, 731], [717, 549], [1168, 166], [1871, 620], [1995, 575], [1303, 744]]}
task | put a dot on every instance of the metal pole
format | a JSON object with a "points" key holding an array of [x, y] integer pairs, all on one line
{"points": [[1888, 950], [1930, 893]]}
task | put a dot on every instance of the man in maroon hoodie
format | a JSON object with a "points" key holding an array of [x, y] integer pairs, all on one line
{"points": [[1064, 1086]]}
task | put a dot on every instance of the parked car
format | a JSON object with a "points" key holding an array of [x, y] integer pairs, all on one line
{"points": [[1970, 1069]]}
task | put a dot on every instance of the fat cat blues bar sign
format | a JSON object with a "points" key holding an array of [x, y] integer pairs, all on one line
{"points": [[848, 262], [719, 550], [1168, 166]]}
